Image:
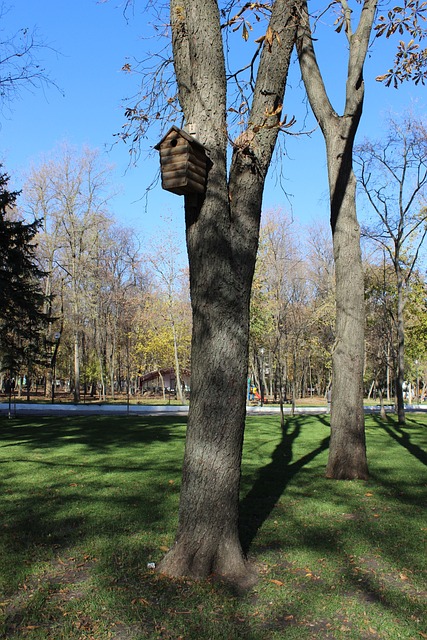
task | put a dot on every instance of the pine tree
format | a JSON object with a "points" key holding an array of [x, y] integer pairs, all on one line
{"points": [[21, 311]]}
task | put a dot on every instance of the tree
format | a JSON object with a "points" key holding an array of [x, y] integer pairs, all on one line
{"points": [[127, 287], [292, 307], [393, 175], [71, 194], [115, 287], [321, 273], [380, 293], [222, 237], [347, 452], [21, 314], [282, 275], [164, 260], [416, 333]]}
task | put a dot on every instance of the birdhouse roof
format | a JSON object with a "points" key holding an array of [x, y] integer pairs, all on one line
{"points": [[191, 139]]}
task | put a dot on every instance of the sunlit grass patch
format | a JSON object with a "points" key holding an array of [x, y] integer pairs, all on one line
{"points": [[87, 503]]}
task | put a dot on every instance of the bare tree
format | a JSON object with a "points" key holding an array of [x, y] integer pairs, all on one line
{"points": [[381, 295], [164, 260], [71, 194], [282, 273], [321, 274], [393, 175]]}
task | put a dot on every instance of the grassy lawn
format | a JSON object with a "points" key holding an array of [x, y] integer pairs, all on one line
{"points": [[87, 502]]}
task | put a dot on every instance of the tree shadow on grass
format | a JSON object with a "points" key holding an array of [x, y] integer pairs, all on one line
{"points": [[96, 432], [66, 481], [401, 435], [272, 480]]}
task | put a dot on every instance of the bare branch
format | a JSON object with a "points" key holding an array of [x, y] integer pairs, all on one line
{"points": [[20, 63]]}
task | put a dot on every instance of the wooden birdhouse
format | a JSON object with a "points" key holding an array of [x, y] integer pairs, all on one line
{"points": [[183, 163]]}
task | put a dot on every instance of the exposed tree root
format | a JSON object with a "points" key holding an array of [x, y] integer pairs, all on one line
{"points": [[226, 562]]}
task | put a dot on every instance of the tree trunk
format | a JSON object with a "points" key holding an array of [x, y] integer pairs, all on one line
{"points": [[76, 367], [382, 408], [102, 382], [222, 239], [400, 372], [388, 373], [178, 383], [162, 382], [347, 451], [282, 413], [113, 360], [207, 540]]}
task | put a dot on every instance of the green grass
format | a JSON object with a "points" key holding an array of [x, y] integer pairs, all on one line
{"points": [[87, 502]]}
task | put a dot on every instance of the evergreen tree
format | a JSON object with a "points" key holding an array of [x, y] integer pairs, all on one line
{"points": [[21, 312]]}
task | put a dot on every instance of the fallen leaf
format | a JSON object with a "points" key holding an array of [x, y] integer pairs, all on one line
{"points": [[403, 576], [140, 600], [163, 548], [279, 584], [369, 494]]}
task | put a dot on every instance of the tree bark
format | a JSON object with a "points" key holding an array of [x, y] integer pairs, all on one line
{"points": [[347, 452], [222, 231]]}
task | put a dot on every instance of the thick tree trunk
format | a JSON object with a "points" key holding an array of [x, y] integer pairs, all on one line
{"points": [[222, 240], [207, 540], [347, 451]]}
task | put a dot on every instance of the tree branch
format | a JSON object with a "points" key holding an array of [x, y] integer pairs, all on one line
{"points": [[315, 87]]}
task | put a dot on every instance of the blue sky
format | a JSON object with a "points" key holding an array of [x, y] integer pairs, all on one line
{"points": [[94, 40]]}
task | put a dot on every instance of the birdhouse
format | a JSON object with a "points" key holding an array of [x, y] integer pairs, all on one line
{"points": [[183, 163]]}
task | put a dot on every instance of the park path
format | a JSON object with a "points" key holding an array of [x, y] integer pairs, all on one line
{"points": [[24, 408]]}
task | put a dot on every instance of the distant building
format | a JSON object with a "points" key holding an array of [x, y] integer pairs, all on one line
{"points": [[156, 381]]}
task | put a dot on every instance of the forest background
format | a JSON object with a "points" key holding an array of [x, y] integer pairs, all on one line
{"points": [[118, 262]]}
